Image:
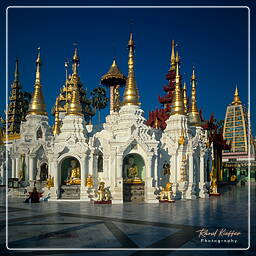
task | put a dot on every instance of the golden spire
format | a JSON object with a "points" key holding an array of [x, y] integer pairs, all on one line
{"points": [[74, 107], [185, 98], [131, 93], [236, 100], [173, 56], [75, 62], [16, 74], [37, 106], [56, 126], [177, 101], [177, 58], [194, 117]]}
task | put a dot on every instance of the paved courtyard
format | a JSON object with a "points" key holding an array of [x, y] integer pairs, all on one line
{"points": [[75, 225]]}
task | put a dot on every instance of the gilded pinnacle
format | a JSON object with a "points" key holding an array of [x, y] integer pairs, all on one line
{"points": [[177, 101], [173, 56], [37, 106], [74, 107], [194, 117], [131, 94], [236, 100], [185, 98]]}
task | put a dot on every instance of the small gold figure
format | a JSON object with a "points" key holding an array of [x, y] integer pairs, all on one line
{"points": [[103, 193], [214, 187], [89, 181], [182, 138], [166, 193], [50, 182], [132, 172], [74, 178], [116, 98]]}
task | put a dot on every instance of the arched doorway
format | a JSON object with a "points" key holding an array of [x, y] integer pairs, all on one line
{"points": [[134, 176], [70, 178], [44, 172]]}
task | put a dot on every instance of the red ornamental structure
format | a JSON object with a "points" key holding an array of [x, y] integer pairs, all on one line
{"points": [[157, 118]]}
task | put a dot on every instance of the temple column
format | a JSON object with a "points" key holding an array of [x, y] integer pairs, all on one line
{"points": [[156, 171], [13, 167], [190, 194], [17, 168], [117, 193], [55, 190], [31, 169], [84, 173], [203, 193], [150, 197]]}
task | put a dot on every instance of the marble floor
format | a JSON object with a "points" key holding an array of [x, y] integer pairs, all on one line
{"points": [[64, 228]]}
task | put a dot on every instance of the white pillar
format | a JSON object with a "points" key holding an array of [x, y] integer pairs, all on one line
{"points": [[13, 167], [117, 191], [190, 194], [91, 164], [202, 184], [56, 179], [84, 174], [31, 169], [150, 197], [17, 168], [156, 171]]}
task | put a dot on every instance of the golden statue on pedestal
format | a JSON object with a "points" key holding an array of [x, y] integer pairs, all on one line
{"points": [[50, 182], [132, 172], [214, 187], [74, 177], [166, 193], [103, 193]]}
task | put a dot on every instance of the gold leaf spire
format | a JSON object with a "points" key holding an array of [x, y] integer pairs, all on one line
{"points": [[177, 58], [37, 106], [177, 101], [16, 73], [194, 117], [75, 62], [173, 56], [56, 126], [131, 93], [236, 100], [185, 98], [74, 107]]}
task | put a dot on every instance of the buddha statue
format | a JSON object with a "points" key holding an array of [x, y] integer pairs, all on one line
{"points": [[50, 182], [74, 176], [132, 172]]}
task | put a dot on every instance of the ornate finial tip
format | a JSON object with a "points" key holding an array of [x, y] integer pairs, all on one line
{"points": [[131, 42]]}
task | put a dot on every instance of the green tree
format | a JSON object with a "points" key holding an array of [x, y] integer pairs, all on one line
{"points": [[99, 99]]}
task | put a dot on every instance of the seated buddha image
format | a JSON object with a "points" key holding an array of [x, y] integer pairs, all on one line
{"points": [[74, 177], [132, 171]]}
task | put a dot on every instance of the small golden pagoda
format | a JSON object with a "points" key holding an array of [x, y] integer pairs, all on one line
{"points": [[236, 101], [37, 106], [131, 93], [114, 79], [66, 92], [17, 108], [194, 116]]}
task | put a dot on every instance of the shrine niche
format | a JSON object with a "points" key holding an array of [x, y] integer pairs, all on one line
{"points": [[134, 175], [70, 171], [44, 171], [39, 133]]}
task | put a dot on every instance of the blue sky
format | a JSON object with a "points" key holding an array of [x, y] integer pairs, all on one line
{"points": [[213, 40]]}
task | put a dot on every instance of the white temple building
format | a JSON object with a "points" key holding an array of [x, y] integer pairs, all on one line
{"points": [[68, 161]]}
